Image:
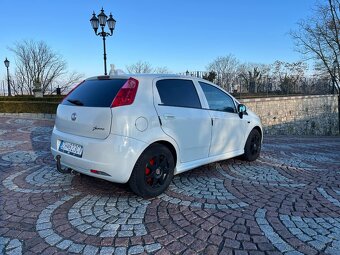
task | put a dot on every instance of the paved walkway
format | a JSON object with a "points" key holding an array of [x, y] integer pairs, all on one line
{"points": [[288, 202]]}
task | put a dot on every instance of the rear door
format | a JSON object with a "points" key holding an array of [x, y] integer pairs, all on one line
{"points": [[182, 118], [86, 110], [228, 130]]}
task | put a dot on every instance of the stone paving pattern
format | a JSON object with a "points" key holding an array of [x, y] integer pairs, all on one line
{"points": [[287, 202]]}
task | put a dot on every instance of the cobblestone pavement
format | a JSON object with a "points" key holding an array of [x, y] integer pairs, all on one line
{"points": [[287, 202]]}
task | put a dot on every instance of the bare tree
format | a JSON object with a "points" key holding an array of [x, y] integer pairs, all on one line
{"points": [[163, 70], [145, 67], [36, 63], [252, 74], [211, 76], [288, 75], [140, 67], [318, 37], [225, 69], [252, 78], [66, 82]]}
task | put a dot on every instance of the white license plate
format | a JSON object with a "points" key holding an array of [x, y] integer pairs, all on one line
{"points": [[71, 149]]}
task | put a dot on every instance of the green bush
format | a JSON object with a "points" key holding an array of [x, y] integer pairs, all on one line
{"points": [[28, 107]]}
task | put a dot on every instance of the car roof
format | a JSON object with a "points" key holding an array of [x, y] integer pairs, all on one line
{"points": [[151, 77], [145, 76]]}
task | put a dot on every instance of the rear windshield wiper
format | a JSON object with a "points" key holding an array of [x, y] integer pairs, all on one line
{"points": [[76, 102]]}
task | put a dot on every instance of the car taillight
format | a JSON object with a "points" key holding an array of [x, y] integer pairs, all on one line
{"points": [[103, 77], [126, 95], [73, 89]]}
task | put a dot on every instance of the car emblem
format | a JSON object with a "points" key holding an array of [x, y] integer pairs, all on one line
{"points": [[74, 116]]}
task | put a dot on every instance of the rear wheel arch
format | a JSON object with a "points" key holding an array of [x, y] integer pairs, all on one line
{"points": [[153, 170], [169, 146]]}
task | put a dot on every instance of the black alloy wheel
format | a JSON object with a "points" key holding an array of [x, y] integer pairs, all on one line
{"points": [[153, 171], [252, 148], [156, 171], [255, 144]]}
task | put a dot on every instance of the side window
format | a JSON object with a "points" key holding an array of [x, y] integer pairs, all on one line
{"points": [[176, 92], [217, 99]]}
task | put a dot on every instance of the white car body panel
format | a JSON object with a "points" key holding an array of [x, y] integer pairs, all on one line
{"points": [[189, 127], [94, 122], [193, 164], [232, 138], [115, 155], [124, 132]]}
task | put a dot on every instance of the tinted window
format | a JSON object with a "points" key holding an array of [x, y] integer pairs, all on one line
{"points": [[95, 93], [217, 99], [175, 92]]}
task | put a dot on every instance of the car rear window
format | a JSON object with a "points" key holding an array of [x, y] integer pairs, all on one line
{"points": [[180, 93], [95, 93]]}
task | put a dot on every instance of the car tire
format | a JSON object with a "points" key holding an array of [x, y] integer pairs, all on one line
{"points": [[153, 171], [252, 148]]}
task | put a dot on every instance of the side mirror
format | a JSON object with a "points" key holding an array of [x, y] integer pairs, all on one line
{"points": [[241, 108]]}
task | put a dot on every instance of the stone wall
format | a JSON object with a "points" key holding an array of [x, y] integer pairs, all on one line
{"points": [[299, 115]]}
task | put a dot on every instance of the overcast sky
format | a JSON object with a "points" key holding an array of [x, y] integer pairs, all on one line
{"points": [[180, 34]]}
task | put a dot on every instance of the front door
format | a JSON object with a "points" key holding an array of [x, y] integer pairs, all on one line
{"points": [[228, 128]]}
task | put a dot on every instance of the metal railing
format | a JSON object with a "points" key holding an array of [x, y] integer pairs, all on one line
{"points": [[270, 86], [267, 88]]}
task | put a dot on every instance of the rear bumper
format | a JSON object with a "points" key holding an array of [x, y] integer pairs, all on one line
{"points": [[115, 155]]}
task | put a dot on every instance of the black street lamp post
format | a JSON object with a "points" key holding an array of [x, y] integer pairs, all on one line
{"points": [[8, 83], [240, 82], [102, 20], [268, 84], [335, 65]]}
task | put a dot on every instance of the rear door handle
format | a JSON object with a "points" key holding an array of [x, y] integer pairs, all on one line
{"points": [[169, 117]]}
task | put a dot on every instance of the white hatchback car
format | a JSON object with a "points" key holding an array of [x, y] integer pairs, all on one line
{"points": [[143, 129]]}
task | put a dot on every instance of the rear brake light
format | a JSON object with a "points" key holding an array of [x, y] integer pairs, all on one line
{"points": [[126, 95], [103, 77], [73, 89]]}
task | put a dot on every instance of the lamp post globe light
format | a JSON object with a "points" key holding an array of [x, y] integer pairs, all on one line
{"points": [[8, 83], [101, 20]]}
